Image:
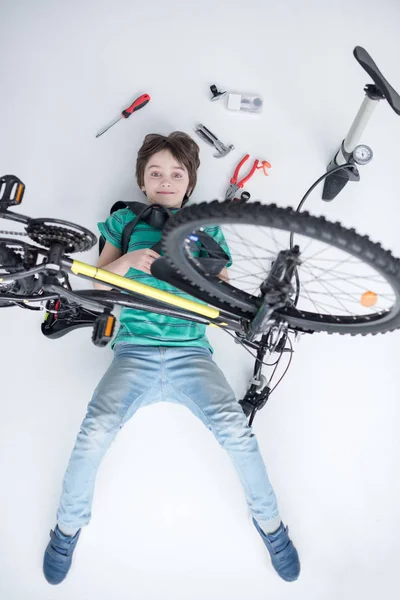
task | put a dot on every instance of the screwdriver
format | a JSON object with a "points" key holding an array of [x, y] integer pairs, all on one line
{"points": [[136, 105]]}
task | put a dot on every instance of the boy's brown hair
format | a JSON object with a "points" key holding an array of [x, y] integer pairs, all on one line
{"points": [[182, 147]]}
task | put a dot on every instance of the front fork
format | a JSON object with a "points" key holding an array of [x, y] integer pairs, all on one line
{"points": [[275, 290], [259, 388]]}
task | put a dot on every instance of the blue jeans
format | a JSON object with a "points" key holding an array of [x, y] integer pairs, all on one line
{"points": [[139, 376]]}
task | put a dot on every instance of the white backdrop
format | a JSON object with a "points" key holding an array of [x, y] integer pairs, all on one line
{"points": [[169, 516]]}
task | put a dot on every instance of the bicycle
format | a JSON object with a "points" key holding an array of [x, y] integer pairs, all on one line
{"points": [[278, 302], [286, 284]]}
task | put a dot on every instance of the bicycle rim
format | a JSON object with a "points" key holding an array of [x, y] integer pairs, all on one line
{"points": [[348, 284]]}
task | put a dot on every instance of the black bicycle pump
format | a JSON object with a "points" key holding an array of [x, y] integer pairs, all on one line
{"points": [[349, 150]]}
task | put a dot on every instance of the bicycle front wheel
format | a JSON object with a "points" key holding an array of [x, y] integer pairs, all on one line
{"points": [[347, 283]]}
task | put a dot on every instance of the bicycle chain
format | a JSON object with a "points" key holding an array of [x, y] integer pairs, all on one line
{"points": [[13, 232], [45, 235]]}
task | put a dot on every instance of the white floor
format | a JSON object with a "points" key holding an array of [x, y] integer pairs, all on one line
{"points": [[169, 517]]}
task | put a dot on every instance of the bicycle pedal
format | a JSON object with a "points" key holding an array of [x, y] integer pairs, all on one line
{"points": [[103, 329], [11, 191]]}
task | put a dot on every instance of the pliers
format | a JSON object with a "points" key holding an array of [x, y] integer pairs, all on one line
{"points": [[235, 184]]}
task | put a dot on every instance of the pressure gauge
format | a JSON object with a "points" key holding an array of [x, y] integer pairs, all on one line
{"points": [[362, 154]]}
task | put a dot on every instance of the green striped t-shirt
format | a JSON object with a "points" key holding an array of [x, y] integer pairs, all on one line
{"points": [[148, 328]]}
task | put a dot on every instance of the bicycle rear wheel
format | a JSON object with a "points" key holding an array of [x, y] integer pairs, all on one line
{"points": [[12, 262], [348, 284]]}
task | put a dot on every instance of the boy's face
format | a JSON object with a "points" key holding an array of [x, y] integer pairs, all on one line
{"points": [[165, 180]]}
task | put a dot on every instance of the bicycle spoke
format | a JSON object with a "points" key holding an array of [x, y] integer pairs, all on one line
{"points": [[332, 281], [256, 258], [337, 279], [336, 288], [377, 307], [362, 288], [328, 247], [313, 302]]}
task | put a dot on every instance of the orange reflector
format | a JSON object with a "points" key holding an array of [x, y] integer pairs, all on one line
{"points": [[109, 327], [20, 191], [369, 299]]}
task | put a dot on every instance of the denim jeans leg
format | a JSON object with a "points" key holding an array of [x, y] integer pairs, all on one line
{"points": [[131, 381], [197, 382]]}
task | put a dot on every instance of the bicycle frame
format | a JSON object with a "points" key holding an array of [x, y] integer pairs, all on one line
{"points": [[51, 277], [259, 388], [85, 270], [250, 325], [140, 296]]}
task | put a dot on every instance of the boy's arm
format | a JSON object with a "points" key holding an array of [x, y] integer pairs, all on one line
{"points": [[224, 274], [111, 260]]}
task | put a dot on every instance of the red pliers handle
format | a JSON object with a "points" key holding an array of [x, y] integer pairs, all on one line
{"points": [[241, 183], [235, 184]]}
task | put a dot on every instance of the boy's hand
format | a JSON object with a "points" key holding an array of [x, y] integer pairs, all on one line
{"points": [[141, 259]]}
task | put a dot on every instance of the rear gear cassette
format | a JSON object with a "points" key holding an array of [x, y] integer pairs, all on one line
{"points": [[15, 257]]}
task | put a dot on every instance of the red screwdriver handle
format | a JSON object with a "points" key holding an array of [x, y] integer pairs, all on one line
{"points": [[138, 103]]}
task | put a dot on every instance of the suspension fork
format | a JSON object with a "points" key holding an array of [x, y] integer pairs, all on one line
{"points": [[276, 290]]}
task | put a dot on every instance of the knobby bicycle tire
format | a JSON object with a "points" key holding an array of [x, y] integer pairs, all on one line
{"points": [[219, 213], [12, 262]]}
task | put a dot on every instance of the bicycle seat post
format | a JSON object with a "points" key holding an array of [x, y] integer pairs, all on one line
{"points": [[55, 256]]}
